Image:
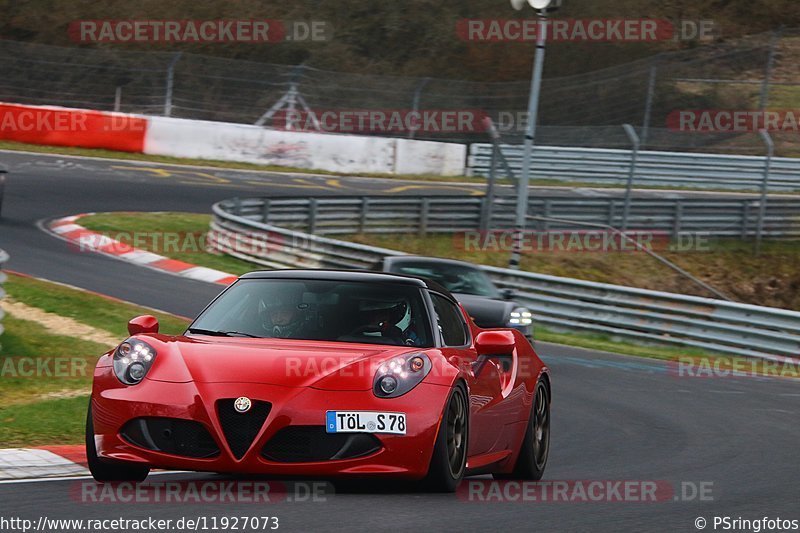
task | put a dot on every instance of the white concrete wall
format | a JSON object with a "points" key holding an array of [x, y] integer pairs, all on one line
{"points": [[222, 141], [324, 151], [429, 157]]}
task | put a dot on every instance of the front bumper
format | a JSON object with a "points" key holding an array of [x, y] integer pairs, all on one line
{"points": [[405, 456]]}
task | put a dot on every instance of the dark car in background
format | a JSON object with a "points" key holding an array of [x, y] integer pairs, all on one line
{"points": [[488, 306]]}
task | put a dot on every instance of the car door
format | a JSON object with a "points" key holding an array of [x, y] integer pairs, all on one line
{"points": [[484, 376]]}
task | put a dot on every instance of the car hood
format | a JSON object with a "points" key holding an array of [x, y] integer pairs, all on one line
{"points": [[288, 363], [487, 312]]}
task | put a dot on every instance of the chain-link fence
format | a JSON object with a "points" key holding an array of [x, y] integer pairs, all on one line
{"points": [[582, 110]]}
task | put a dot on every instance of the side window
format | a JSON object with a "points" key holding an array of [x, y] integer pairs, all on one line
{"points": [[450, 321]]}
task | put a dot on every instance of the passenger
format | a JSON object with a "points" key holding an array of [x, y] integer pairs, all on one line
{"points": [[284, 316]]}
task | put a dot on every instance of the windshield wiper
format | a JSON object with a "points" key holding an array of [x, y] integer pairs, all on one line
{"points": [[201, 331], [241, 334]]}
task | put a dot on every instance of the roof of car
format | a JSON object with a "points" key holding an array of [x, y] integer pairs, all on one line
{"points": [[365, 276], [424, 259]]}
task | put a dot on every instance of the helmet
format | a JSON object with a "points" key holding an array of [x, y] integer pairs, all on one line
{"points": [[282, 314], [382, 312]]}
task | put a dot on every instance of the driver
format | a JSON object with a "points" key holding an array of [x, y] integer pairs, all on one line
{"points": [[283, 316], [384, 317]]}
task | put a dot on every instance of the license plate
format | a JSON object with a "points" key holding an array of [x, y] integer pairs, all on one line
{"points": [[365, 422]]}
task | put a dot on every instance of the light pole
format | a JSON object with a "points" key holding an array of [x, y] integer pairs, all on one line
{"points": [[542, 7]]}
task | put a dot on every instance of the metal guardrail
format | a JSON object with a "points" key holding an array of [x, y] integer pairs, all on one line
{"points": [[640, 315], [3, 259], [735, 217], [669, 169], [276, 247]]}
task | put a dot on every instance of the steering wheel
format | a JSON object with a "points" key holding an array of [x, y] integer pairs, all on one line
{"points": [[391, 332], [369, 328]]}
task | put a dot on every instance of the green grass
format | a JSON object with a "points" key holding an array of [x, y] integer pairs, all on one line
{"points": [[42, 408], [85, 307], [122, 226], [57, 421], [28, 341], [604, 343]]}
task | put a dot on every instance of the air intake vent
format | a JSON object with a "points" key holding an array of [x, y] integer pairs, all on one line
{"points": [[302, 444], [241, 428], [174, 436]]}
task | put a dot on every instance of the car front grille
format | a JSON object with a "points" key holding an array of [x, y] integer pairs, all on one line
{"points": [[303, 444], [174, 436], [241, 429]]}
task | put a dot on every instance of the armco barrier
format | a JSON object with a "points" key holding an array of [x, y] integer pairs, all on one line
{"points": [[221, 141], [3, 259], [730, 217], [561, 303], [671, 169]]}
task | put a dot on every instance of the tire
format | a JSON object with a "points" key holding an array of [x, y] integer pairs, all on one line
{"points": [[535, 447], [449, 460], [104, 471]]}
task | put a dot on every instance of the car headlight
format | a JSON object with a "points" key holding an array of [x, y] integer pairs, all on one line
{"points": [[400, 374], [132, 360], [520, 317]]}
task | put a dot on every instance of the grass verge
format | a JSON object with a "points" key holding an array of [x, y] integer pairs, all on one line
{"points": [[57, 421], [85, 307], [45, 375], [605, 343], [26, 344]]}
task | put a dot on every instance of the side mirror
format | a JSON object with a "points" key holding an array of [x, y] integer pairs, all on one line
{"points": [[507, 294], [143, 324], [495, 343]]}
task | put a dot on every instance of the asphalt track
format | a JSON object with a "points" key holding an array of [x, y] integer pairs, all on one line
{"points": [[614, 417]]}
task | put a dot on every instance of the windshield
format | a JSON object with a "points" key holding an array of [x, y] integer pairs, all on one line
{"points": [[462, 279], [319, 310]]}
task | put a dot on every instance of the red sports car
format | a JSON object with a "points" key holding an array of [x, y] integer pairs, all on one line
{"points": [[323, 373]]}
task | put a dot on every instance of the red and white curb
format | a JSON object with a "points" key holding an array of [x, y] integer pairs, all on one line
{"points": [[44, 462], [86, 240]]}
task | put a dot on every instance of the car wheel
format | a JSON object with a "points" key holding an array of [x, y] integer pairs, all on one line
{"points": [[449, 460], [103, 471], [535, 447]]}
